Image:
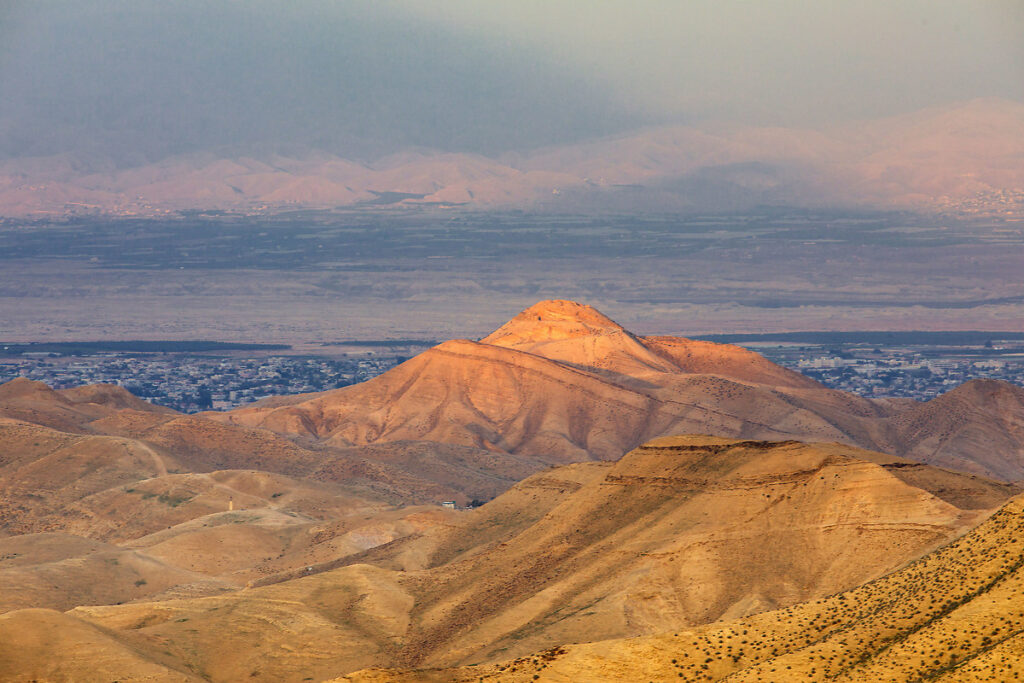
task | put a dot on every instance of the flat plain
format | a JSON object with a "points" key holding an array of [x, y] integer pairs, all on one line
{"points": [[432, 273]]}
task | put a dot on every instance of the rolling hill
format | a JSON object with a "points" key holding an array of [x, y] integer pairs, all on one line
{"points": [[954, 615], [976, 427], [689, 530], [76, 442], [105, 499], [681, 532]]}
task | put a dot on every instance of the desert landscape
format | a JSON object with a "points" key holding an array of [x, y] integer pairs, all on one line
{"points": [[453, 342], [656, 492]]}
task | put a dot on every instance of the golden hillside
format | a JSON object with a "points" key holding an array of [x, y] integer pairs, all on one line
{"points": [[131, 503], [70, 444], [956, 614], [683, 531]]}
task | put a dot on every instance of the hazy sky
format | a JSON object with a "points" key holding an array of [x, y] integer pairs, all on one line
{"points": [[136, 80]]}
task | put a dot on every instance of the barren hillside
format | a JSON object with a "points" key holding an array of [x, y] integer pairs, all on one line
{"points": [[954, 615], [681, 532], [562, 382]]}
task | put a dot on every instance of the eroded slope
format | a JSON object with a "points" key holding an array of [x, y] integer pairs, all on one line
{"points": [[561, 382], [956, 614], [681, 532]]}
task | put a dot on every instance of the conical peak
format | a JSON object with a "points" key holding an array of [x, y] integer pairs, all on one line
{"points": [[562, 310], [553, 320]]}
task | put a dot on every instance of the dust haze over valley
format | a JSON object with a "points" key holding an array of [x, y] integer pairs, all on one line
{"points": [[428, 275], [326, 171], [490, 243]]}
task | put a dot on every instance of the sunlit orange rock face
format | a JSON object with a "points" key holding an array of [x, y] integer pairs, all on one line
{"points": [[561, 382]]}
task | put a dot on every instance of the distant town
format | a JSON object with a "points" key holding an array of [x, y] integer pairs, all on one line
{"points": [[903, 374], [212, 376], [896, 365], [191, 383]]}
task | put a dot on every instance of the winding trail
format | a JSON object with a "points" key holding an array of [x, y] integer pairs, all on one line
{"points": [[158, 462]]}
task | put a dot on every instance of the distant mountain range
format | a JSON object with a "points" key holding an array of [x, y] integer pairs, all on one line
{"points": [[965, 158]]}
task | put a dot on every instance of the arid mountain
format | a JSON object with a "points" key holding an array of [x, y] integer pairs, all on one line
{"points": [[277, 542], [686, 530], [561, 382], [933, 159], [977, 427], [680, 532], [106, 499], [578, 335], [954, 615], [74, 443], [70, 410]]}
